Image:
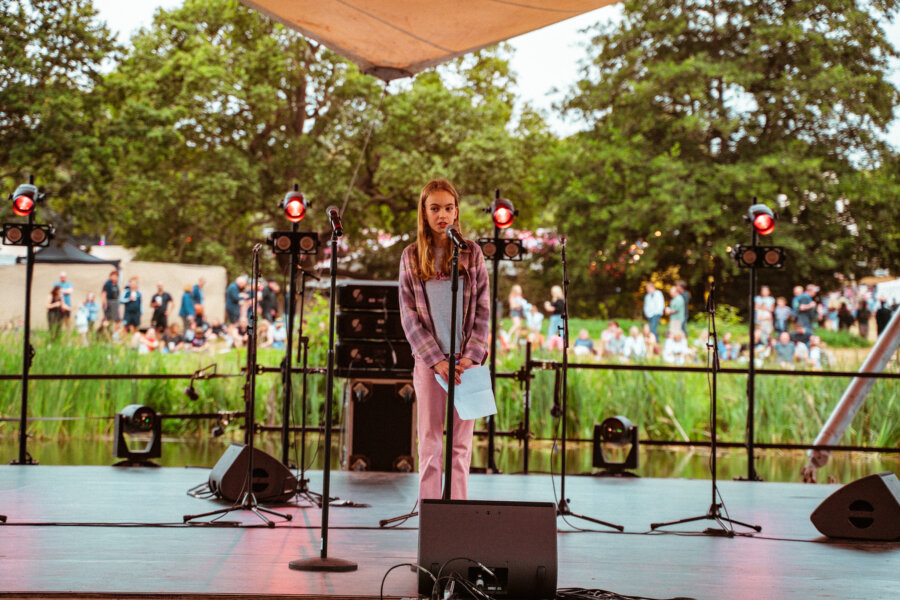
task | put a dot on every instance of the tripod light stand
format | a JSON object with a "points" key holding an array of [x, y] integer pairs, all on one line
{"points": [[716, 506], [248, 500], [562, 508], [25, 200]]}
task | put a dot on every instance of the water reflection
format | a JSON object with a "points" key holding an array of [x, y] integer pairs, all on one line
{"points": [[772, 465]]}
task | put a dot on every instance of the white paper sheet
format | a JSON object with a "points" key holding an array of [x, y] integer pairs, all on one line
{"points": [[473, 397]]}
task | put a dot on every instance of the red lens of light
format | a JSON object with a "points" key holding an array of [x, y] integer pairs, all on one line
{"points": [[503, 217], [764, 224], [23, 205], [294, 210]]}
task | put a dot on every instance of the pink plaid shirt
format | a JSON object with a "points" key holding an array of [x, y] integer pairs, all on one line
{"points": [[476, 308]]}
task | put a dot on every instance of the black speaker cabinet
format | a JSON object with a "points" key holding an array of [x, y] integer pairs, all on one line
{"points": [[272, 481], [368, 295], [380, 425], [353, 356], [369, 325], [515, 540], [866, 509]]}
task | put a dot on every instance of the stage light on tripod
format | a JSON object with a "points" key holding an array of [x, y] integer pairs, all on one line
{"points": [[488, 248], [748, 256], [502, 212], [762, 218], [13, 235], [512, 249], [24, 199]]}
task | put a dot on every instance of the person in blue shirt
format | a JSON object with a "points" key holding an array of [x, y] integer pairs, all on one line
{"points": [[234, 298], [65, 289], [131, 300], [197, 291], [187, 312]]}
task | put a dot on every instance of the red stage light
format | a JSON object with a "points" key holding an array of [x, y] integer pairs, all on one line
{"points": [[23, 205], [503, 213], [764, 224], [295, 208]]}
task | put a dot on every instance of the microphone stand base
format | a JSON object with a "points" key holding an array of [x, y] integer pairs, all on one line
{"points": [[319, 564]]}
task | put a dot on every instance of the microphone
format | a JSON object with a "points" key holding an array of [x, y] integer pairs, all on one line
{"points": [[456, 237], [335, 218]]}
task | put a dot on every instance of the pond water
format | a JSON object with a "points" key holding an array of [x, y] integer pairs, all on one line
{"points": [[771, 465]]}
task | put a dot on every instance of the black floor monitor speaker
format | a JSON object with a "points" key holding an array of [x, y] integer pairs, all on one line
{"points": [[866, 509], [516, 541], [272, 481], [380, 425]]}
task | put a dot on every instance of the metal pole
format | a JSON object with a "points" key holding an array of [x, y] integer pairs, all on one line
{"points": [[527, 401], [492, 427], [329, 392], [751, 368], [451, 379], [27, 352], [564, 403], [286, 364]]}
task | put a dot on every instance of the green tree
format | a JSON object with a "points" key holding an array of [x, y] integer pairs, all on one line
{"points": [[51, 116], [695, 109]]}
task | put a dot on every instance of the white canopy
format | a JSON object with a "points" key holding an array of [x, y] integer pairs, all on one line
{"points": [[398, 38]]}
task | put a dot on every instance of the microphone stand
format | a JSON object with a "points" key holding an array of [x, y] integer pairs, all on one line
{"points": [[323, 562], [451, 379], [715, 508], [562, 508], [248, 500]]}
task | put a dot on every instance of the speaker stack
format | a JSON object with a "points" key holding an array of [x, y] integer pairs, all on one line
{"points": [[373, 354]]}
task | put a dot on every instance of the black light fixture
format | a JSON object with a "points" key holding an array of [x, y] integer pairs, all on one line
{"points": [[762, 218], [294, 205], [617, 432], [142, 422]]}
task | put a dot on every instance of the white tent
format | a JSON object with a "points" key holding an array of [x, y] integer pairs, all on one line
{"points": [[398, 38]]}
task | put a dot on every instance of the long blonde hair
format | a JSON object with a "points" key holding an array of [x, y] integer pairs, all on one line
{"points": [[424, 237]]}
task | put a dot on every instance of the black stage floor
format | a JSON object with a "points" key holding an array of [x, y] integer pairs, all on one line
{"points": [[88, 532]]}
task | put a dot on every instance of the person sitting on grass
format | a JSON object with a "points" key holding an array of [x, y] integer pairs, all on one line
{"points": [[635, 347], [784, 351], [147, 341], [675, 350], [615, 344], [172, 340], [651, 343], [584, 345]]}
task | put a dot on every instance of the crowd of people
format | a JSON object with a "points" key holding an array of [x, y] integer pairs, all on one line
{"points": [[784, 331], [116, 316]]}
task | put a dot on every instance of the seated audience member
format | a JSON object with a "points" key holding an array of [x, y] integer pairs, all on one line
{"points": [[147, 341], [814, 356], [198, 341], [784, 351], [675, 349], [651, 343], [172, 340], [615, 344], [635, 347], [800, 335], [761, 347], [263, 334], [584, 345]]}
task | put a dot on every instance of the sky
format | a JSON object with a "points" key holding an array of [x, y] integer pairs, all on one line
{"points": [[546, 61]]}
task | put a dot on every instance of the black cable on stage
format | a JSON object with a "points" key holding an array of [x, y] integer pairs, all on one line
{"points": [[409, 564], [597, 594]]}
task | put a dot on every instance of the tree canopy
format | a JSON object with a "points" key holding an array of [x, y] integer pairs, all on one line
{"points": [[183, 143]]}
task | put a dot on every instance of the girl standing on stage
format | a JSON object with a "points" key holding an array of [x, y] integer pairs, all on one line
{"points": [[425, 304]]}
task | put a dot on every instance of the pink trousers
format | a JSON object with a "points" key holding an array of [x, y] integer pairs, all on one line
{"points": [[431, 411]]}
